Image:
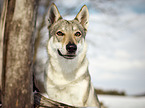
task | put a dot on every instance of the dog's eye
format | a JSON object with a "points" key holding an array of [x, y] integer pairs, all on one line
{"points": [[77, 34], [59, 33]]}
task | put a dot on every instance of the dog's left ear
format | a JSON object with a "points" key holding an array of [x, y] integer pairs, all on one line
{"points": [[83, 17], [53, 15]]}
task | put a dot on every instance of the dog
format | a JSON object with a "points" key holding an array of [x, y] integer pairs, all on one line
{"points": [[66, 75]]}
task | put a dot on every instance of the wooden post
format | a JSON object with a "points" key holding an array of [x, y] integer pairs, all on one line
{"points": [[18, 54]]}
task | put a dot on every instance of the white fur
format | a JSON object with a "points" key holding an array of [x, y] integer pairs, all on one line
{"points": [[65, 66], [64, 79]]}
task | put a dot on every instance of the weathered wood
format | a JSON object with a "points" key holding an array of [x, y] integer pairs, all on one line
{"points": [[18, 54], [2, 28], [43, 102]]}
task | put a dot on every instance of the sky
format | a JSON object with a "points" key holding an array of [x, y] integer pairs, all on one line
{"points": [[116, 52], [116, 42]]}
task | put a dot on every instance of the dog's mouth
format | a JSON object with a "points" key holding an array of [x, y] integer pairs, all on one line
{"points": [[67, 56]]}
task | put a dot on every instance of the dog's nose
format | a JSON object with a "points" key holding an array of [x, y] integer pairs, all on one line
{"points": [[71, 48]]}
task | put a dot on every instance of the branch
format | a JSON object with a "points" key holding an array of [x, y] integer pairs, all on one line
{"points": [[43, 102]]}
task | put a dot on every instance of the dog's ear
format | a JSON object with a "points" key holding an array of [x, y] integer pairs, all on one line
{"points": [[83, 17], [53, 14]]}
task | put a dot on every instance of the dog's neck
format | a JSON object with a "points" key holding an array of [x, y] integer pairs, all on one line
{"points": [[67, 67], [66, 70]]}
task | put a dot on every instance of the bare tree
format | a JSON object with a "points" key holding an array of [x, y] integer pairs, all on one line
{"points": [[18, 29], [2, 25]]}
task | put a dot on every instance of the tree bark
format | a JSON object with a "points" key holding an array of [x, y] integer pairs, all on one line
{"points": [[18, 43], [2, 26]]}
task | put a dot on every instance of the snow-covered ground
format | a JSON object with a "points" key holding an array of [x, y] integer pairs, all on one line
{"points": [[122, 101]]}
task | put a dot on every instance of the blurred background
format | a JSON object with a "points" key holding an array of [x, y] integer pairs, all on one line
{"points": [[116, 47]]}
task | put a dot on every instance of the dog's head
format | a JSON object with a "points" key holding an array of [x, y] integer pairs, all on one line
{"points": [[67, 36]]}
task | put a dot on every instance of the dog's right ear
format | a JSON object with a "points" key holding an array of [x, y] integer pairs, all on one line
{"points": [[53, 15], [83, 17]]}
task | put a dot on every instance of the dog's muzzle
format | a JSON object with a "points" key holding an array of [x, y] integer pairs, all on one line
{"points": [[71, 50]]}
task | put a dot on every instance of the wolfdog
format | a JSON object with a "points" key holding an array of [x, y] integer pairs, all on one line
{"points": [[66, 75]]}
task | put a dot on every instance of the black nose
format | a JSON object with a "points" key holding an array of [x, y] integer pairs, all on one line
{"points": [[71, 48]]}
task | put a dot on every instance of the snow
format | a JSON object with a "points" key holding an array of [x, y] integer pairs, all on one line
{"points": [[122, 101]]}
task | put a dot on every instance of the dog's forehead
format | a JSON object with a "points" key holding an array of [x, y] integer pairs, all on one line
{"points": [[66, 26], [69, 25]]}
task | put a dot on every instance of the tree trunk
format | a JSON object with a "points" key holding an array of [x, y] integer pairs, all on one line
{"points": [[2, 25], [18, 54]]}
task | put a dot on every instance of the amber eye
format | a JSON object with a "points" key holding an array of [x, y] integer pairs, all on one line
{"points": [[59, 33], [78, 34]]}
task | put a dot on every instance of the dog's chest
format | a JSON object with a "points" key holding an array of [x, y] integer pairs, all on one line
{"points": [[73, 93]]}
